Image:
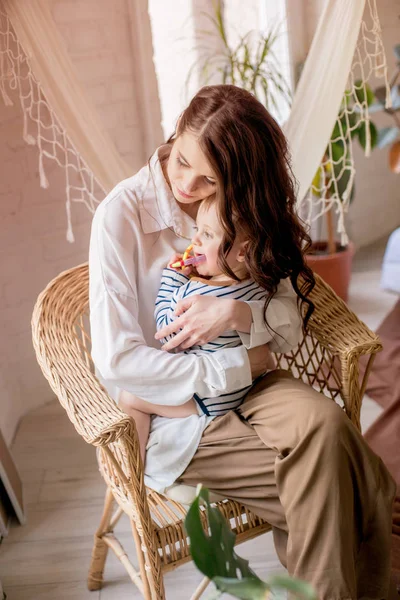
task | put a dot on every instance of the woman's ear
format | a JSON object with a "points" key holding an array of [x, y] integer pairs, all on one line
{"points": [[241, 254]]}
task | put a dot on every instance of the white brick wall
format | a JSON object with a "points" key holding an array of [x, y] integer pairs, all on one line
{"points": [[97, 37], [33, 248]]}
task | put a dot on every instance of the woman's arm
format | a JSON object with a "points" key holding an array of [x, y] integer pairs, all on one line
{"points": [[119, 348], [284, 328], [201, 320], [204, 318], [122, 357]]}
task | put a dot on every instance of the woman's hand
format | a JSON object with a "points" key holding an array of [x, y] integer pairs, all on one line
{"points": [[204, 318], [201, 319]]}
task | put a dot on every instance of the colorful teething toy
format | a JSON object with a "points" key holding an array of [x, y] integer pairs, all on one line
{"points": [[188, 260]]}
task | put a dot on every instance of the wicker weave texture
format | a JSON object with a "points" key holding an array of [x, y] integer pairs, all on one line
{"points": [[327, 359]]}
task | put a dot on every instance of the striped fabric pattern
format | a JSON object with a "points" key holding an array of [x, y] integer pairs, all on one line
{"points": [[176, 286]]}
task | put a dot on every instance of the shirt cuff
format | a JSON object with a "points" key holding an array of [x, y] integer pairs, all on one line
{"points": [[236, 365], [258, 334]]}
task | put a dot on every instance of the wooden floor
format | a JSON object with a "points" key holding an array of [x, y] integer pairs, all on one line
{"points": [[48, 558]]}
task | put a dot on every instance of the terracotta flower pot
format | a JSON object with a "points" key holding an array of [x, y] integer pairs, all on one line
{"points": [[334, 268], [394, 157]]}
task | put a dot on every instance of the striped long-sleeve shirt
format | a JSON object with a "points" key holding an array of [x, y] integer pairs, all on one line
{"points": [[174, 287]]}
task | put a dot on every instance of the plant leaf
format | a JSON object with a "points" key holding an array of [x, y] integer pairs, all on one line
{"points": [[301, 588], [219, 19], [396, 51], [338, 149], [363, 92], [362, 134], [244, 589], [337, 133], [387, 135], [318, 181], [250, 64], [352, 119], [212, 549], [214, 554], [200, 545], [342, 172]]}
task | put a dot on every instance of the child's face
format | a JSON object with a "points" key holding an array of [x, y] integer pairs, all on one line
{"points": [[208, 239]]}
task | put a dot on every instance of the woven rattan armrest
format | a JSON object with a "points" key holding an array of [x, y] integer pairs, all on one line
{"points": [[346, 338], [336, 326], [326, 358], [62, 349], [61, 338], [94, 414]]}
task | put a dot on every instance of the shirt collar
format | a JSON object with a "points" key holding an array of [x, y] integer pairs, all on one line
{"points": [[158, 208]]}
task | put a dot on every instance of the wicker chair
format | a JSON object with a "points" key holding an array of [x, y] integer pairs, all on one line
{"points": [[326, 359]]}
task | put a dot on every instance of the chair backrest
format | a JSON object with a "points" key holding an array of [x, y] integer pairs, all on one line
{"points": [[60, 328], [326, 358], [316, 365], [61, 337]]}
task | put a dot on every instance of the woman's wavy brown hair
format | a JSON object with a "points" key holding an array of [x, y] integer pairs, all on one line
{"points": [[249, 155]]}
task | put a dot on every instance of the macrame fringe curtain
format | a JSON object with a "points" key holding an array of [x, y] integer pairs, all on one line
{"points": [[57, 116], [346, 52], [60, 120]]}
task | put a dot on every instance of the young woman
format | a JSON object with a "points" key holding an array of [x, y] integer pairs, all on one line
{"points": [[288, 453], [210, 279]]}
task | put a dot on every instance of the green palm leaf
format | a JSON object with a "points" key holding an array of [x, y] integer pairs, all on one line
{"points": [[212, 547]]}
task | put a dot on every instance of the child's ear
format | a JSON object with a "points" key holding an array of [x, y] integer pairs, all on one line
{"points": [[241, 255]]}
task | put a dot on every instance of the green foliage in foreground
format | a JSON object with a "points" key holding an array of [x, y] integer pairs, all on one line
{"points": [[214, 555]]}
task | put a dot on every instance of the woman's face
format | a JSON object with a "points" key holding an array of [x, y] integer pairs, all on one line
{"points": [[189, 173]]}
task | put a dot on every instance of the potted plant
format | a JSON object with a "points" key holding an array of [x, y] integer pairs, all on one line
{"points": [[213, 553], [327, 257], [390, 135], [250, 64]]}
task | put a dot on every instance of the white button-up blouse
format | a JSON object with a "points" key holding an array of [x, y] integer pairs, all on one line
{"points": [[135, 230]]}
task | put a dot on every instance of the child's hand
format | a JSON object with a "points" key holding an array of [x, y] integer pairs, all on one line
{"points": [[184, 270]]}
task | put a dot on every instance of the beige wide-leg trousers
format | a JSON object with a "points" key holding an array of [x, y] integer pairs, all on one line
{"points": [[293, 457]]}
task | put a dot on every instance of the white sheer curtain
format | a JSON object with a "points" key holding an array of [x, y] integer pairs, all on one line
{"points": [[78, 133], [331, 107], [321, 87], [35, 29], [57, 115]]}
